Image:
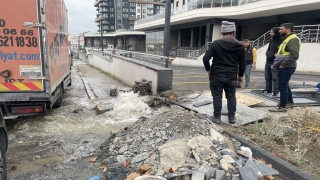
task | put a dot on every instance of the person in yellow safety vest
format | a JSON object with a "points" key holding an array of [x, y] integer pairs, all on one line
{"points": [[286, 62]]}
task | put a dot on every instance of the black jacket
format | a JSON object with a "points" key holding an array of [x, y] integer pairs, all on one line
{"points": [[274, 45], [228, 57]]}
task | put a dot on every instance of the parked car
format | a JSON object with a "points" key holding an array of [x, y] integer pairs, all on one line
{"points": [[3, 148]]}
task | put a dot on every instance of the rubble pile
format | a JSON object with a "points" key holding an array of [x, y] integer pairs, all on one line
{"points": [[173, 143]]}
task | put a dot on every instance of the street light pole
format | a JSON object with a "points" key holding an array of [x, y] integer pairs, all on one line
{"points": [[101, 38], [167, 31]]}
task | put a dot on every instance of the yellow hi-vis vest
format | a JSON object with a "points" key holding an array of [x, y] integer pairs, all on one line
{"points": [[283, 45]]}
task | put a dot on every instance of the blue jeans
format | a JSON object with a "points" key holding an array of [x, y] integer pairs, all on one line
{"points": [[271, 77], [247, 73], [228, 83], [284, 76]]}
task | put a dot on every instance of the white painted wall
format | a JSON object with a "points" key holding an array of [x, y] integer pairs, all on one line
{"points": [[125, 70], [216, 32], [309, 60]]}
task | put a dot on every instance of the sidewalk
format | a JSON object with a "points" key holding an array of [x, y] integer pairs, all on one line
{"points": [[98, 86]]}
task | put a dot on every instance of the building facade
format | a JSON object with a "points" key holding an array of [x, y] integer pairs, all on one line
{"points": [[113, 15]]}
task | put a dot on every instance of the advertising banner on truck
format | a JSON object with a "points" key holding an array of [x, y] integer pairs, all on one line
{"points": [[57, 35], [19, 47]]}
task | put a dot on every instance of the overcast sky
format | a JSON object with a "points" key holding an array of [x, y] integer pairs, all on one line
{"points": [[81, 16]]}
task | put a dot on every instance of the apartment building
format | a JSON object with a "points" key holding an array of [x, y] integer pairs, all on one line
{"points": [[113, 15]]}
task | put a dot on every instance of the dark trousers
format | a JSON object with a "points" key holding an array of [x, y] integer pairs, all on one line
{"points": [[271, 77], [284, 76], [228, 83]]}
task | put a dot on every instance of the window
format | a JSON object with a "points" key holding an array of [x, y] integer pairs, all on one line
{"points": [[150, 11], [125, 15], [139, 17], [111, 9], [131, 22], [119, 21], [183, 2], [138, 10], [144, 16], [112, 15], [143, 5], [125, 4], [138, 5], [150, 5], [125, 10], [133, 10], [111, 27], [119, 15], [119, 3], [133, 4], [144, 11], [131, 27], [177, 4]]}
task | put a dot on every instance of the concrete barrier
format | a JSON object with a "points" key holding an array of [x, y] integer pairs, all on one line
{"points": [[130, 71], [309, 60]]}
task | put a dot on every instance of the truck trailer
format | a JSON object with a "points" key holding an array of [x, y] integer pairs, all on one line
{"points": [[35, 61]]}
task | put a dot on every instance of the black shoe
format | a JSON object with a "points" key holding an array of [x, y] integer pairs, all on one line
{"points": [[238, 86], [266, 91], [216, 120], [232, 119], [275, 94]]}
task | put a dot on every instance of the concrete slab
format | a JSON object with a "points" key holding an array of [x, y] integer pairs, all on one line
{"points": [[244, 115]]}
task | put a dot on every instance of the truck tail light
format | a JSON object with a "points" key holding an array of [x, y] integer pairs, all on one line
{"points": [[27, 110]]}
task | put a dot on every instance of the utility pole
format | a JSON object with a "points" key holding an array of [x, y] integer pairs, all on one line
{"points": [[101, 38], [167, 31]]}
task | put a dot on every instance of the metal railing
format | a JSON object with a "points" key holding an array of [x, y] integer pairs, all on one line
{"points": [[192, 54], [306, 33], [196, 4], [143, 58]]}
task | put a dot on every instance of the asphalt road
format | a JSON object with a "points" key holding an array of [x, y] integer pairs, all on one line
{"points": [[196, 79]]}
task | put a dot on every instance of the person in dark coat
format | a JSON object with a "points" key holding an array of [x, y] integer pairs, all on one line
{"points": [[226, 71], [271, 74]]}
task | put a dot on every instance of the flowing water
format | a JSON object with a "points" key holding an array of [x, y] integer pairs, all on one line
{"points": [[58, 145]]}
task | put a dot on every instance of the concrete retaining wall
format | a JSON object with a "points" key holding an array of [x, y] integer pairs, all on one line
{"points": [[309, 60], [129, 71]]}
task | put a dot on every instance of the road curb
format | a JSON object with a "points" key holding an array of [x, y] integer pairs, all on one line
{"points": [[99, 109], [285, 169]]}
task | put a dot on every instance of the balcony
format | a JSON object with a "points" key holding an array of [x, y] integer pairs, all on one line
{"points": [[101, 17], [104, 10], [104, 4], [196, 4], [133, 18], [146, 2], [105, 22], [96, 4], [97, 9]]}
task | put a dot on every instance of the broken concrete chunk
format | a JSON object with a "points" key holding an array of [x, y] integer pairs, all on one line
{"points": [[121, 159], [266, 170], [123, 149], [173, 153], [140, 158], [197, 175], [224, 164], [247, 174], [228, 159], [252, 165], [176, 136], [204, 168], [196, 156], [177, 174], [236, 177], [216, 136], [218, 154], [210, 174], [150, 178], [200, 141], [221, 175]]}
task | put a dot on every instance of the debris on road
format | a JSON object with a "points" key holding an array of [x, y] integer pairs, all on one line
{"points": [[175, 143], [143, 87]]}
